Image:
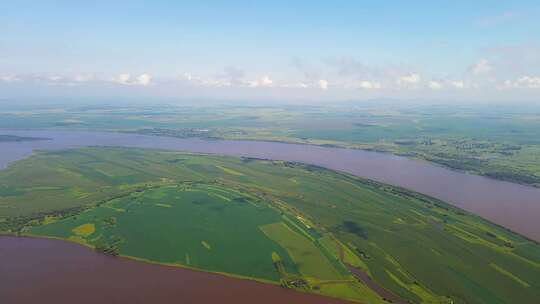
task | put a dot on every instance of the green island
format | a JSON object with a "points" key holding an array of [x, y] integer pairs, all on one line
{"points": [[296, 225]]}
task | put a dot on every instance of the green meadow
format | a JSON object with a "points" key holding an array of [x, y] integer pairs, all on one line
{"points": [[278, 222], [183, 224]]}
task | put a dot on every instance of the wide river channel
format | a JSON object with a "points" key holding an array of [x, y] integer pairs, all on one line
{"points": [[56, 272]]}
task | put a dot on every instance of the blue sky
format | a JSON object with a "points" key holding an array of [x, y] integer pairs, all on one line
{"points": [[311, 50]]}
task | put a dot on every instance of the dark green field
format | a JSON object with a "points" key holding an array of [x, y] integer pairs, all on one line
{"points": [[279, 222], [191, 226]]}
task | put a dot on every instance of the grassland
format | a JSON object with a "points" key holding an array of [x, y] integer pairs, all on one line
{"points": [[279, 222], [312, 262], [191, 226]]}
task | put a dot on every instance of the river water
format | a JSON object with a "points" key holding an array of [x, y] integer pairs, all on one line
{"points": [[51, 271]]}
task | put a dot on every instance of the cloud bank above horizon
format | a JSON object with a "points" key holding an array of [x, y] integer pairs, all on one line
{"points": [[245, 49]]}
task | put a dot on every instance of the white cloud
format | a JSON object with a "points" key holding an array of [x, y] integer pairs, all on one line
{"points": [[45, 79], [323, 84], [9, 78], [482, 67], [122, 79], [126, 79], [193, 80], [458, 84], [525, 82], [410, 80], [144, 79], [231, 77], [294, 85], [55, 78], [265, 81], [187, 76], [84, 78], [435, 85], [370, 85]]}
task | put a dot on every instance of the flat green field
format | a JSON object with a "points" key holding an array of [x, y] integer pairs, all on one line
{"points": [[278, 222], [312, 262], [186, 225]]}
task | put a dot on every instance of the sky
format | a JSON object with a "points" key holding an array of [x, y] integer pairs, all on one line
{"points": [[271, 50]]}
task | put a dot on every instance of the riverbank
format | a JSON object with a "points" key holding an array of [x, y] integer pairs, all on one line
{"points": [[64, 272]]}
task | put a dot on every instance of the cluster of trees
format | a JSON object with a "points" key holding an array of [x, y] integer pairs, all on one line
{"points": [[109, 247], [517, 177], [179, 133], [17, 224]]}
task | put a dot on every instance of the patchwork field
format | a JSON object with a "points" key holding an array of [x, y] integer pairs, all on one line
{"points": [[279, 222], [182, 224]]}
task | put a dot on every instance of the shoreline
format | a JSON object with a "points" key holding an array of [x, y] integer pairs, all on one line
{"points": [[172, 265]]}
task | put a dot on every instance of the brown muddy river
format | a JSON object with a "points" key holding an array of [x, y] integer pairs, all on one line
{"points": [[50, 271]]}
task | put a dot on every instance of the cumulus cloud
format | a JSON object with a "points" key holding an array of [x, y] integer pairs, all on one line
{"points": [[482, 67], [458, 84], [264, 81], [84, 78], [40, 79], [126, 79], [370, 85], [323, 84], [337, 79], [300, 85], [410, 80], [194, 80], [524, 82], [230, 77], [186, 76], [293, 85], [9, 78], [144, 79], [435, 85], [122, 79]]}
